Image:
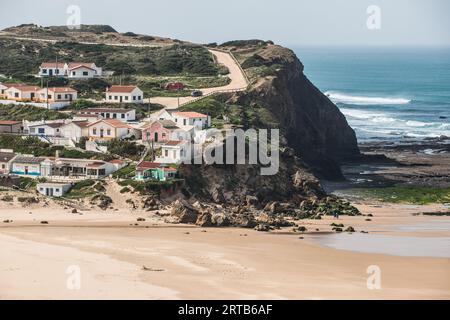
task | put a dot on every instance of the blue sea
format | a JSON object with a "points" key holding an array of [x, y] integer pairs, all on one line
{"points": [[386, 94]]}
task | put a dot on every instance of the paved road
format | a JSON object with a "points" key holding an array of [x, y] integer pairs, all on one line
{"points": [[238, 83]]}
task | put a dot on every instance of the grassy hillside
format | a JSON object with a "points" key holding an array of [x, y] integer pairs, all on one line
{"points": [[31, 113], [20, 59]]}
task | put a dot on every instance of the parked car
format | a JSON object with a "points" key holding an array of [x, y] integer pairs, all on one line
{"points": [[196, 93]]}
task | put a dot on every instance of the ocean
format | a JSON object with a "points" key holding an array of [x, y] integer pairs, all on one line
{"points": [[386, 94]]}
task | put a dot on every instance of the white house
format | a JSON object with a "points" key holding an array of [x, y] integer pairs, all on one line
{"points": [[56, 69], [61, 95], [73, 70], [110, 113], [107, 129], [21, 92], [75, 130], [46, 129], [191, 118], [3, 87], [174, 152], [53, 189], [124, 94], [26, 165], [184, 118], [84, 70]]}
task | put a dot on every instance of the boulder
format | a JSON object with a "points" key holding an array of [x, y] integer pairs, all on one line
{"points": [[204, 219], [244, 221], [102, 201], [220, 220], [262, 227], [150, 203], [252, 201], [183, 212]]}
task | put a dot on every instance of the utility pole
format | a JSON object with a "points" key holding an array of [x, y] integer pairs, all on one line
{"points": [[47, 95]]}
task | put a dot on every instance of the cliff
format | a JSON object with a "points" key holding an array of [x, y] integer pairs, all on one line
{"points": [[312, 125]]}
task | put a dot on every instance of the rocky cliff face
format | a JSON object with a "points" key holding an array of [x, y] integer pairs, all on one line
{"points": [[312, 125], [315, 135]]}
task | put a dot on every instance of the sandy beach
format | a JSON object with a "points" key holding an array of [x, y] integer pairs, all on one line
{"points": [[152, 260]]}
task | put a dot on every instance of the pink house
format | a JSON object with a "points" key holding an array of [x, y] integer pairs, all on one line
{"points": [[158, 131]]}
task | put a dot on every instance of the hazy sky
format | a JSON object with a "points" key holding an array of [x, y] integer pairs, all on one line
{"points": [[288, 22]]}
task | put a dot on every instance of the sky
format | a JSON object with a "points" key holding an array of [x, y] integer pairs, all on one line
{"points": [[287, 22]]}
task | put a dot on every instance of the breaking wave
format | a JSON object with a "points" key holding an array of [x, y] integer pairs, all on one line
{"points": [[361, 100]]}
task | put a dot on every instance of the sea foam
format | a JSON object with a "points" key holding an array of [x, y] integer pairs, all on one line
{"points": [[362, 100]]}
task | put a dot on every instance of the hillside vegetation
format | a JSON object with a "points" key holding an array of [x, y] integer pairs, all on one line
{"points": [[21, 59]]}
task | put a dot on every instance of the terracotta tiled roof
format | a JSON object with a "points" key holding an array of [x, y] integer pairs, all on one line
{"points": [[81, 124], [95, 164], [112, 122], [61, 89], [26, 88], [117, 110], [173, 143], [117, 161], [190, 114], [52, 64], [121, 89], [8, 122], [148, 165], [75, 65]]}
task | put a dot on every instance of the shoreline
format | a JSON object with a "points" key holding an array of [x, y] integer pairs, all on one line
{"points": [[112, 254]]}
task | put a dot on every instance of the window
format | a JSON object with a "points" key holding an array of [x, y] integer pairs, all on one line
{"points": [[184, 122], [166, 153], [110, 97], [59, 96], [114, 115], [32, 130], [163, 135], [94, 131], [108, 132], [122, 115], [3, 166], [116, 98], [41, 130], [44, 70], [134, 97], [56, 190], [49, 96], [42, 189], [16, 94], [85, 73], [126, 97], [139, 97], [56, 71], [73, 73]]}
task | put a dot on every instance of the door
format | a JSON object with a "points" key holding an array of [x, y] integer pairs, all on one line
{"points": [[26, 170], [102, 133], [50, 72], [120, 98], [156, 136], [32, 95], [49, 192]]}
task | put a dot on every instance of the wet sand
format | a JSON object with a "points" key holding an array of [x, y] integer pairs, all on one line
{"points": [[187, 262]]}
